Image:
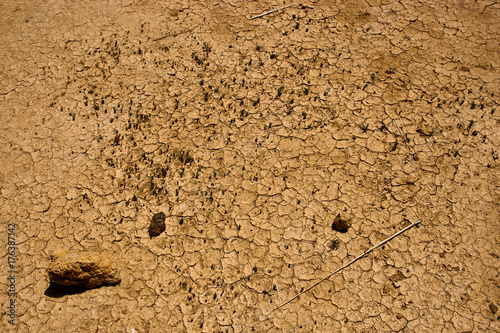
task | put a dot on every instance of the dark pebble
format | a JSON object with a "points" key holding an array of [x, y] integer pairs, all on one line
{"points": [[493, 308], [157, 225], [341, 223]]}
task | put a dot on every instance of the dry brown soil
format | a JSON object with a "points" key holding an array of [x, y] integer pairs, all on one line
{"points": [[251, 136]]}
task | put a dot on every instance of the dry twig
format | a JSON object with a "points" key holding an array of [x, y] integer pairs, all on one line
{"points": [[278, 290], [350, 263], [269, 12]]}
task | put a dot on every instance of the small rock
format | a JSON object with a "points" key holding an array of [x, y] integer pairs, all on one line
{"points": [[341, 223], [86, 269], [157, 225], [493, 308]]}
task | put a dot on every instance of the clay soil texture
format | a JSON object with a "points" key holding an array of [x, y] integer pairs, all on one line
{"points": [[251, 136]]}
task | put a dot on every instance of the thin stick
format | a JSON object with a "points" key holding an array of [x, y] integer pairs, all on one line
{"points": [[269, 12], [349, 264], [278, 290]]}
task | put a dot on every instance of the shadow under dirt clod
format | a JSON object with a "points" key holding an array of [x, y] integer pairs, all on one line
{"points": [[55, 290]]}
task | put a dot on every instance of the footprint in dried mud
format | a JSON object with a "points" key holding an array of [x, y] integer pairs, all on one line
{"points": [[341, 223], [157, 225]]}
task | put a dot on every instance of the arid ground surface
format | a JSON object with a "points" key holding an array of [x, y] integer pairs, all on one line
{"points": [[251, 135]]}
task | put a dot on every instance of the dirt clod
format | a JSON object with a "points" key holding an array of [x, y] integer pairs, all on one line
{"points": [[157, 225], [85, 269], [341, 223]]}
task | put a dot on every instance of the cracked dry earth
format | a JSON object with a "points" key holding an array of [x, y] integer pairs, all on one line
{"points": [[251, 136]]}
